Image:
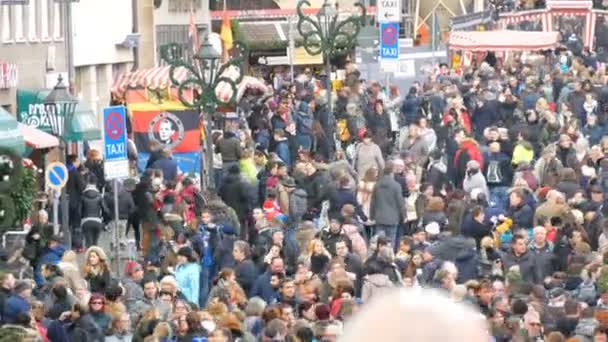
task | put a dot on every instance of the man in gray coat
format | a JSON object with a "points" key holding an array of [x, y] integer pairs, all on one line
{"points": [[387, 205]]}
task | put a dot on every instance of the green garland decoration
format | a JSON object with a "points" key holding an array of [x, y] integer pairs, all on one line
{"points": [[23, 196], [340, 39], [10, 178], [7, 213]]}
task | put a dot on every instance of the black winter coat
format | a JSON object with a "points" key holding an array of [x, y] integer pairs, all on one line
{"points": [[526, 264], [246, 274], [92, 204], [237, 194]]}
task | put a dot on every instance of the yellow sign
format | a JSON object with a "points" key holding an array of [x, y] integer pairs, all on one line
{"points": [[301, 57]]}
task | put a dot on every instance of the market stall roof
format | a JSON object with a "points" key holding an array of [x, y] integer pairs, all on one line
{"points": [[10, 136], [159, 78], [37, 139], [502, 40]]}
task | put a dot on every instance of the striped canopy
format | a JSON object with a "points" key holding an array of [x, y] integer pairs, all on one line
{"points": [[502, 40], [159, 78]]}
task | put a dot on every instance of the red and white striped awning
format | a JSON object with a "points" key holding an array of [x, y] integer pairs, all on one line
{"points": [[271, 13], [37, 139], [159, 78], [154, 78], [502, 40]]}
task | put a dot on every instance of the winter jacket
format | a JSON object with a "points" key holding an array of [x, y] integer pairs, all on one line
{"points": [[409, 108], [281, 148], [501, 164], [475, 229], [418, 150], [340, 197], [93, 206], [168, 166], [52, 255], [387, 205], [460, 251], [133, 292], [85, 329], [468, 150], [246, 274], [474, 181], [522, 215], [316, 187], [98, 282], [126, 206], [544, 261], [14, 306], [548, 173], [367, 155], [101, 319], [236, 193], [526, 263], [229, 147], [263, 289], [188, 278], [375, 284]]}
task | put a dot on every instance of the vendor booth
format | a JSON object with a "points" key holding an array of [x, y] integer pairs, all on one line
{"points": [[465, 46], [153, 101], [571, 18]]}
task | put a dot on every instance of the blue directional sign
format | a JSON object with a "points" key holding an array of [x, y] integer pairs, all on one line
{"points": [[389, 41], [115, 133], [56, 175]]}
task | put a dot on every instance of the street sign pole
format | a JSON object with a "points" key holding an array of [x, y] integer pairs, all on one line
{"points": [[56, 212], [117, 164], [56, 176]]}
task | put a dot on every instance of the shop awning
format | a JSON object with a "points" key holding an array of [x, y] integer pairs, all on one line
{"points": [[154, 78], [502, 40], [85, 125], [37, 139], [10, 136]]}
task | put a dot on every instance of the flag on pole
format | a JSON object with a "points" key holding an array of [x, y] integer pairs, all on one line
{"points": [[226, 32], [193, 33]]}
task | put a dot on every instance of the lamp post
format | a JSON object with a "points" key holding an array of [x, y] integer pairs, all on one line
{"points": [[60, 107], [325, 34], [205, 73]]}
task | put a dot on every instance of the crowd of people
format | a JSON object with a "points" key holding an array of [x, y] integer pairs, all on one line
{"points": [[488, 186]]}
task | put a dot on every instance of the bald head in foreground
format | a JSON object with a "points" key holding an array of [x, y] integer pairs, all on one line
{"points": [[415, 315]]}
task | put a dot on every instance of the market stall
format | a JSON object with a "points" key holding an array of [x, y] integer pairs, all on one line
{"points": [[465, 46]]}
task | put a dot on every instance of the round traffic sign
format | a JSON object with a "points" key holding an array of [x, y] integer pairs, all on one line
{"points": [[389, 35], [56, 175], [114, 126]]}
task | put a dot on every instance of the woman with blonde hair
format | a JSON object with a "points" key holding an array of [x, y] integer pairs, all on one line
{"points": [[96, 270], [318, 256]]}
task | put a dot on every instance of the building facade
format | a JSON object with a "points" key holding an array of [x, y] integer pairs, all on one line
{"points": [[32, 47]]}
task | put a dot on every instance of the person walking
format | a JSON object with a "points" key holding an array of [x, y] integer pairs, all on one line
{"points": [[387, 205], [93, 209]]}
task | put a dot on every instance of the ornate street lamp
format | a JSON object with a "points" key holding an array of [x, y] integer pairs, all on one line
{"points": [[324, 34], [205, 74], [60, 107]]}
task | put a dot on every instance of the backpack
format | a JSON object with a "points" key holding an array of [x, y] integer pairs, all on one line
{"points": [[494, 173], [298, 204], [343, 132], [586, 292]]}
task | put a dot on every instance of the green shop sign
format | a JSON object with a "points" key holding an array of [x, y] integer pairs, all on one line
{"points": [[30, 109]]}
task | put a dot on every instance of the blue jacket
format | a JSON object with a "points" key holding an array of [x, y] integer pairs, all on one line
{"points": [[168, 166], [14, 306], [205, 243], [282, 150], [409, 108], [263, 289], [188, 279], [52, 255]]}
